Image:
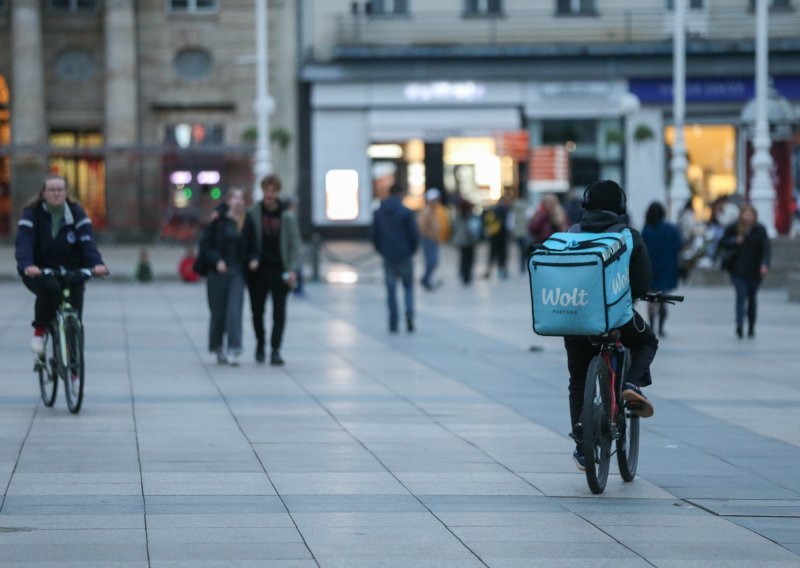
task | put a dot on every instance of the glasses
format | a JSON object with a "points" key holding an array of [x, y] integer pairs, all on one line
{"points": [[55, 190]]}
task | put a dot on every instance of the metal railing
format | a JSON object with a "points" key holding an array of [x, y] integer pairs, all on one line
{"points": [[431, 28]]}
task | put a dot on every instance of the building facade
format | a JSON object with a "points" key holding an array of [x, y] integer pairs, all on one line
{"points": [[147, 107], [487, 96]]}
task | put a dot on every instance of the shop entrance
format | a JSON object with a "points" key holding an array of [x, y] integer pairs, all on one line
{"points": [[711, 154], [84, 170]]}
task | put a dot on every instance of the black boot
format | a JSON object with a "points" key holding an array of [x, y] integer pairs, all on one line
{"points": [[275, 358], [410, 324], [260, 353], [739, 331]]}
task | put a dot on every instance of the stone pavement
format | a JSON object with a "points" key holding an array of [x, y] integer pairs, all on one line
{"points": [[443, 448]]}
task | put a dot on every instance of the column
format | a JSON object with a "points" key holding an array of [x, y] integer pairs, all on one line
{"points": [[762, 192], [678, 187], [28, 112], [264, 105], [124, 199]]}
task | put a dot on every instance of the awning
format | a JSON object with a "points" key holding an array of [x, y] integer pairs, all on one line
{"points": [[434, 125]]}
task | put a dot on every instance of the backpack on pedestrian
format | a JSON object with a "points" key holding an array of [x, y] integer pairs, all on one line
{"points": [[580, 282]]}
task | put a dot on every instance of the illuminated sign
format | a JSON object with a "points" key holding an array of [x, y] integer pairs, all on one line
{"points": [[208, 178], [464, 91], [341, 195], [180, 177]]}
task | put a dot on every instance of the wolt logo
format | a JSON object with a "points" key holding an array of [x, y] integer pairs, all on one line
{"points": [[619, 282], [557, 297]]}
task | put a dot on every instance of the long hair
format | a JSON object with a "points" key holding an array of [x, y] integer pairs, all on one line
{"points": [[555, 212], [655, 214], [238, 218], [38, 199], [741, 227]]}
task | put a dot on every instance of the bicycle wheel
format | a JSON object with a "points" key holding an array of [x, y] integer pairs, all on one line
{"points": [[74, 373], [596, 425], [628, 440], [46, 367]]}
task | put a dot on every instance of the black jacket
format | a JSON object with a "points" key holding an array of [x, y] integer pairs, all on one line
{"points": [[394, 230], [222, 240], [641, 271], [749, 256], [73, 246]]}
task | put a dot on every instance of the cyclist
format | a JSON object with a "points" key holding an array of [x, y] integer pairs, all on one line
{"points": [[604, 202], [54, 232]]}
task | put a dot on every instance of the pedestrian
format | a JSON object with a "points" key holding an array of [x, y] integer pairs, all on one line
{"points": [[664, 244], [223, 247], [273, 247], [549, 218], [496, 230], [395, 235], [299, 286], [54, 231], [519, 216], [745, 253], [144, 272], [434, 228], [466, 234], [186, 266]]}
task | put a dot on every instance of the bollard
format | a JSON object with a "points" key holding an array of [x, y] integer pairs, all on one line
{"points": [[316, 244]]}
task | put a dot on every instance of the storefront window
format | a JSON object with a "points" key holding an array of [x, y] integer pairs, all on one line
{"points": [[341, 195], [85, 174], [711, 153]]}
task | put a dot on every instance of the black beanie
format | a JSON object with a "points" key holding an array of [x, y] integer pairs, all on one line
{"points": [[605, 195]]}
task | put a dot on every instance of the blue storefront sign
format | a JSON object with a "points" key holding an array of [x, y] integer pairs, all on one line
{"points": [[705, 90]]}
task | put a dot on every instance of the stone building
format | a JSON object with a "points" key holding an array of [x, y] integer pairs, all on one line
{"points": [[145, 106]]}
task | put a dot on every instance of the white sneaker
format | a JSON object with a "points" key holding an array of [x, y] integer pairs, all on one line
{"points": [[233, 360], [37, 345]]}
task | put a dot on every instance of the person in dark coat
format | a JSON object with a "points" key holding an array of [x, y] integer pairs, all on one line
{"points": [[604, 202], [395, 235], [54, 232], [664, 243], [745, 251]]}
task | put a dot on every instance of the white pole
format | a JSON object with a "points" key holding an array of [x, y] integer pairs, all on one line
{"points": [[679, 188], [262, 164], [762, 192]]}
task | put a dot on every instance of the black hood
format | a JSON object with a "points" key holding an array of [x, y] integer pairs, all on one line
{"points": [[595, 221]]}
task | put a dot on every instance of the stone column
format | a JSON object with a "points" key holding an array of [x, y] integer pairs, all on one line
{"points": [[28, 113], [123, 194]]}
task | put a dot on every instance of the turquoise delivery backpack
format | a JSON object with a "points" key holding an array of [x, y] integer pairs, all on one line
{"points": [[580, 283]]}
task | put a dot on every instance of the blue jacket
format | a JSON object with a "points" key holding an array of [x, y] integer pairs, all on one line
{"points": [[72, 247], [394, 230], [664, 244]]}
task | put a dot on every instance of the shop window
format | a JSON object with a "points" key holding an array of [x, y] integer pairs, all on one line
{"points": [[692, 4], [711, 153], [387, 7], [483, 7], [192, 135], [5, 161], [576, 7], [341, 195], [85, 174], [193, 6], [74, 5]]}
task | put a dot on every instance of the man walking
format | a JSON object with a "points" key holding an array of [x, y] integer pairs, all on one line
{"points": [[434, 226], [396, 238]]}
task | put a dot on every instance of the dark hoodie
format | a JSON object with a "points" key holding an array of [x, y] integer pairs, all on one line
{"points": [[394, 230], [641, 272]]}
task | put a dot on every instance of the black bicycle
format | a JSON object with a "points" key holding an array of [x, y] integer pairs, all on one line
{"points": [[63, 345], [608, 419]]}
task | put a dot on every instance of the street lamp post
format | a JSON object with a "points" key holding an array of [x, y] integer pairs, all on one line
{"points": [[762, 192], [264, 105], [678, 188]]}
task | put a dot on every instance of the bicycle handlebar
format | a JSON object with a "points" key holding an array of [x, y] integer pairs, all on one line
{"points": [[80, 274], [662, 298]]}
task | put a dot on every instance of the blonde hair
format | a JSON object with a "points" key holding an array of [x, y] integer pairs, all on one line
{"points": [[240, 218], [741, 227], [554, 210]]}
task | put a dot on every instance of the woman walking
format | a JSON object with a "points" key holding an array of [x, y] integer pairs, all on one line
{"points": [[466, 234], [663, 240], [745, 253], [223, 248]]}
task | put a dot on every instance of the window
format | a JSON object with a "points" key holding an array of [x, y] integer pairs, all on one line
{"points": [[774, 5], [193, 63], [193, 6], [483, 7], [575, 7], [387, 7], [75, 66], [74, 5], [85, 173], [692, 4]]}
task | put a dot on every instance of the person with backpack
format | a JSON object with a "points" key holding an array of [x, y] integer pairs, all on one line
{"points": [[604, 203]]}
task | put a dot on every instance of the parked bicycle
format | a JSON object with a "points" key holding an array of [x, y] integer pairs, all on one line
{"points": [[608, 419], [63, 345]]}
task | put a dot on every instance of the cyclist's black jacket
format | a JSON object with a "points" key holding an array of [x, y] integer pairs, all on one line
{"points": [[73, 246], [641, 272]]}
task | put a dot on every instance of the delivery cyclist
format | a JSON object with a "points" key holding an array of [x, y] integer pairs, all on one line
{"points": [[54, 232], [605, 205]]}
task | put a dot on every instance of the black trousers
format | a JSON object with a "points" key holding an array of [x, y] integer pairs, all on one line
{"points": [[636, 335], [264, 282], [48, 297], [466, 260]]}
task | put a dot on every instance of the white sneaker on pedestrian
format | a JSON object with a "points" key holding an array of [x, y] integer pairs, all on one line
{"points": [[37, 345], [233, 360]]}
